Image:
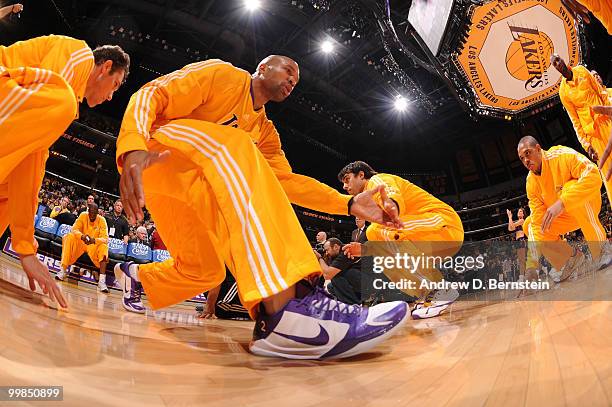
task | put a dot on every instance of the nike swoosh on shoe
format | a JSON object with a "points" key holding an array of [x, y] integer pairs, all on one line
{"points": [[321, 339]]}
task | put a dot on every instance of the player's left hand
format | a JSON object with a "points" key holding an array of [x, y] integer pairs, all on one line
{"points": [[551, 214], [366, 208]]}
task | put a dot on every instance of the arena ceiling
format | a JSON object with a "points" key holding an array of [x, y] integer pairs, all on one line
{"points": [[342, 110]]}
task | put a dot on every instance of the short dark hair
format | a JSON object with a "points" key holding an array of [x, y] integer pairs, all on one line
{"points": [[121, 60], [334, 241], [93, 206], [355, 167]]}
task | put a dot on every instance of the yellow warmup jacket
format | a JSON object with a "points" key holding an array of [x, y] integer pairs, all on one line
{"points": [[602, 9], [216, 91], [578, 96], [97, 229], [411, 199], [41, 80], [566, 175]]}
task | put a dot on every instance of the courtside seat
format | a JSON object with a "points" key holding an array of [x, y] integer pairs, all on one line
{"points": [[56, 243], [139, 253], [44, 230], [160, 255]]}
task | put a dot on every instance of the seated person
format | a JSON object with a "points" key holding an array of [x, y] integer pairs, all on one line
{"points": [[89, 234], [352, 281], [141, 236]]}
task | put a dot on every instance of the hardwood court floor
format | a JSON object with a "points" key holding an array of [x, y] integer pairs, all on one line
{"points": [[544, 353]]}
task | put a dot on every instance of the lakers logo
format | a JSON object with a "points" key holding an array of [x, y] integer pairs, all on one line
{"points": [[528, 57]]}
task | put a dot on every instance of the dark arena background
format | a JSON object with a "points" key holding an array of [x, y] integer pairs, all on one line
{"points": [[436, 92]]}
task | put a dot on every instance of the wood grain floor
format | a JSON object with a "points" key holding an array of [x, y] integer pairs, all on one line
{"points": [[511, 353]]}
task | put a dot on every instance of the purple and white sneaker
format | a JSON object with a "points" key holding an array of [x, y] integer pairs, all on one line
{"points": [[318, 326], [132, 289]]}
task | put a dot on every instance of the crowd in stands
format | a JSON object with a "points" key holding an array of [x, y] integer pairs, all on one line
{"points": [[59, 198]]}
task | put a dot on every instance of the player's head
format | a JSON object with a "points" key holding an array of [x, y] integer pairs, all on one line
{"points": [[359, 222], [332, 247], [597, 77], [321, 237], [112, 66], [278, 75], [355, 176], [561, 66], [530, 154], [92, 211]]}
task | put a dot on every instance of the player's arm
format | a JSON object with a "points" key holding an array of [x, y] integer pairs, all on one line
{"points": [[103, 234], [72, 59], [23, 201], [169, 97], [536, 204], [392, 192], [79, 225], [587, 176], [577, 121], [300, 189]]}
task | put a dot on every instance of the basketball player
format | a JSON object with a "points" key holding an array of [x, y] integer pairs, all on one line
{"points": [[432, 227], [89, 234], [42, 80], [198, 146], [580, 91], [563, 191]]}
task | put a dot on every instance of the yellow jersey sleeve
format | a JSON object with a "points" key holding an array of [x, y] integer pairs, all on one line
{"points": [[70, 58], [102, 235], [79, 225], [300, 189], [536, 204], [169, 97], [391, 188], [588, 179]]}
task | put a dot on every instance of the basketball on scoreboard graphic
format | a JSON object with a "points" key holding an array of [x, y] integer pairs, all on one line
{"points": [[506, 57]]}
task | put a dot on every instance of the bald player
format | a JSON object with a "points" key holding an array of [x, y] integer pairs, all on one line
{"points": [[579, 92], [42, 81], [197, 147], [563, 191], [89, 235]]}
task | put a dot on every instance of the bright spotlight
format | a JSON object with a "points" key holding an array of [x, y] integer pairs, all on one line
{"points": [[400, 104], [252, 5], [327, 46]]}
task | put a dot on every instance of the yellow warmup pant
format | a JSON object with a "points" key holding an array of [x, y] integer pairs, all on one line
{"points": [[36, 107], [431, 234], [557, 251], [216, 201], [73, 247]]}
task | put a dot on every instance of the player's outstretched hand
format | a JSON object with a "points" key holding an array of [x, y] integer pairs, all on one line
{"points": [[39, 273], [366, 208], [130, 184]]}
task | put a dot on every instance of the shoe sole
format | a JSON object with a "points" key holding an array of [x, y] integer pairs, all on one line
{"points": [[263, 348], [445, 306]]}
